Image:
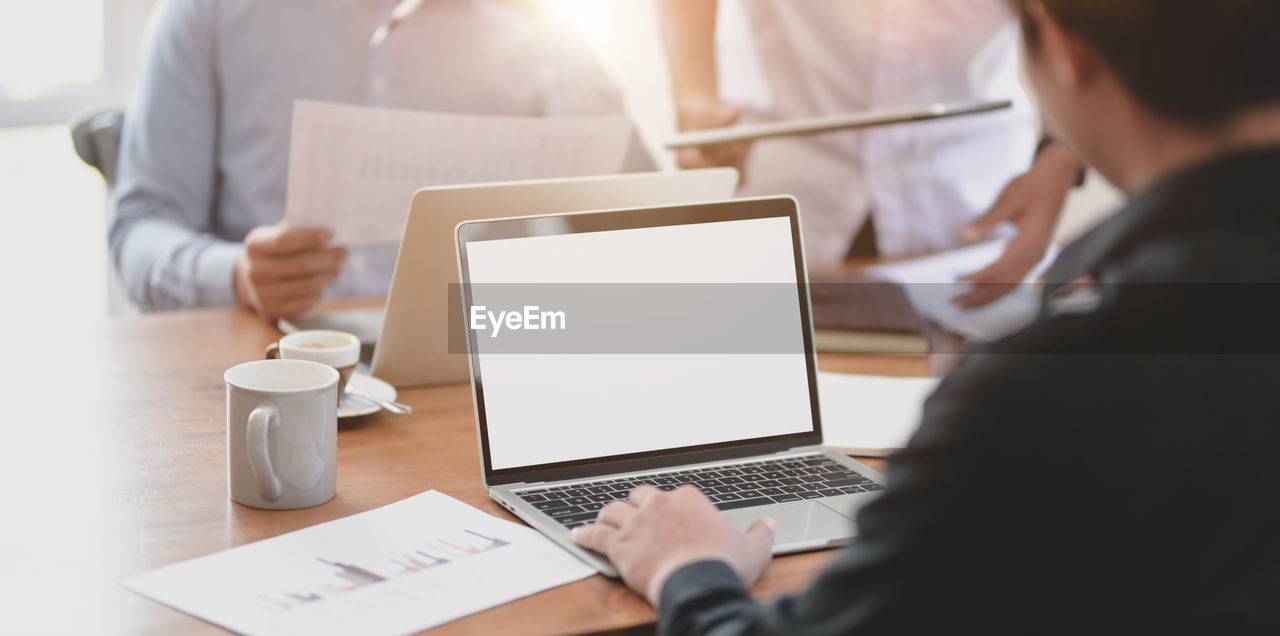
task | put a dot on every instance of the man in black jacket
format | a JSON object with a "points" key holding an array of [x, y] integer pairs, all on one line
{"points": [[1109, 470]]}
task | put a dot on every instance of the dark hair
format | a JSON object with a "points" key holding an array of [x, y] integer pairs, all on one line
{"points": [[1199, 61]]}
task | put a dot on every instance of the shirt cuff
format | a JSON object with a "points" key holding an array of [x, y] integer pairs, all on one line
{"points": [[1045, 142], [215, 274], [694, 588]]}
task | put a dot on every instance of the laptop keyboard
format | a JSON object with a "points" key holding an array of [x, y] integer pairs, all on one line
{"points": [[729, 487]]}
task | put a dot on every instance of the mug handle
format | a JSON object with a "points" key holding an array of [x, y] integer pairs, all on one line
{"points": [[273, 351], [256, 436]]}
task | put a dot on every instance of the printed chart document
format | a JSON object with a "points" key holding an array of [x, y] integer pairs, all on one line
{"points": [[398, 569], [868, 415], [354, 169]]}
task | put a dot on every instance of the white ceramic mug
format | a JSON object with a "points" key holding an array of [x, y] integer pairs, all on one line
{"points": [[337, 349], [282, 433]]}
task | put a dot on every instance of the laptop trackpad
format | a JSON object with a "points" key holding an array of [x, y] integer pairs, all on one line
{"points": [[801, 525]]}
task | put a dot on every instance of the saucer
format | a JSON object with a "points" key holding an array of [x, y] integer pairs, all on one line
{"points": [[351, 406]]}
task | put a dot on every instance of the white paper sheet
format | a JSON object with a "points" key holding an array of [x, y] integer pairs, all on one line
{"points": [[398, 569], [354, 169], [931, 282], [871, 415]]}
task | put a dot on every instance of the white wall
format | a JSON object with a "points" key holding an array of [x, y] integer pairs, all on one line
{"points": [[53, 207], [53, 248]]}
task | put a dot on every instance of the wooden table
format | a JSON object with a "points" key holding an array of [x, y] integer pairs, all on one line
{"points": [[114, 464]]}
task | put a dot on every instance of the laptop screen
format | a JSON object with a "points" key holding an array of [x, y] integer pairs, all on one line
{"points": [[640, 340]]}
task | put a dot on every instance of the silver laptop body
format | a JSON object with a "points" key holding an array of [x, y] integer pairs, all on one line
{"points": [[629, 389], [412, 333]]}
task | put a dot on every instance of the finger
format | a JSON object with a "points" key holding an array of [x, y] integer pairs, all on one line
{"points": [[756, 551], [595, 536], [268, 269], [616, 514], [291, 307], [331, 275], [279, 239], [1074, 286], [999, 278], [690, 491], [712, 156], [693, 159], [642, 495], [1012, 267], [731, 114], [314, 288], [295, 287], [1004, 209], [982, 295], [726, 154], [1022, 253], [760, 535]]}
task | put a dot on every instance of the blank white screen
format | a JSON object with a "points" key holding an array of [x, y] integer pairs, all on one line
{"points": [[546, 408]]}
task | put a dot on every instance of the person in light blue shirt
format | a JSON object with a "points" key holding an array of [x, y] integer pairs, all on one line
{"points": [[204, 157]]}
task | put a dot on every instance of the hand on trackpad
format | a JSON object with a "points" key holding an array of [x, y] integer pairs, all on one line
{"points": [[801, 526]]}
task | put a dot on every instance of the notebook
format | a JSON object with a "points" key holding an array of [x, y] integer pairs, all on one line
{"points": [[854, 314]]}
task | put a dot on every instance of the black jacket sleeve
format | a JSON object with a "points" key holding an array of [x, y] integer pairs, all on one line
{"points": [[986, 498]]}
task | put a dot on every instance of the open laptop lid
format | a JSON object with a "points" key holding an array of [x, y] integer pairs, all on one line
{"points": [[637, 339], [413, 346]]}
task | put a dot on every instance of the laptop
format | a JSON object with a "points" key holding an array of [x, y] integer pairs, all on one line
{"points": [[666, 346], [412, 337]]}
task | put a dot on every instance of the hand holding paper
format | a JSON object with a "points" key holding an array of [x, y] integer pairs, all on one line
{"points": [[282, 272]]}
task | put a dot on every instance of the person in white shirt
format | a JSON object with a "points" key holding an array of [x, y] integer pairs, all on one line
{"points": [[925, 186], [204, 157]]}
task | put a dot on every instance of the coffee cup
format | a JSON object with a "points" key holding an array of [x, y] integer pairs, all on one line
{"points": [[337, 349], [282, 433]]}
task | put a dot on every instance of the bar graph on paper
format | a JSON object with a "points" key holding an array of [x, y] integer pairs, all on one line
{"points": [[398, 569], [348, 577]]}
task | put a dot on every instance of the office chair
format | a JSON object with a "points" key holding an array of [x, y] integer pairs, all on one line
{"points": [[96, 138]]}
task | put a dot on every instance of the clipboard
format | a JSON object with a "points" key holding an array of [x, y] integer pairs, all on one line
{"points": [[828, 123]]}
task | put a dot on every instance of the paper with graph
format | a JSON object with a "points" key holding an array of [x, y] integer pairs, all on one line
{"points": [[398, 569], [354, 169]]}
